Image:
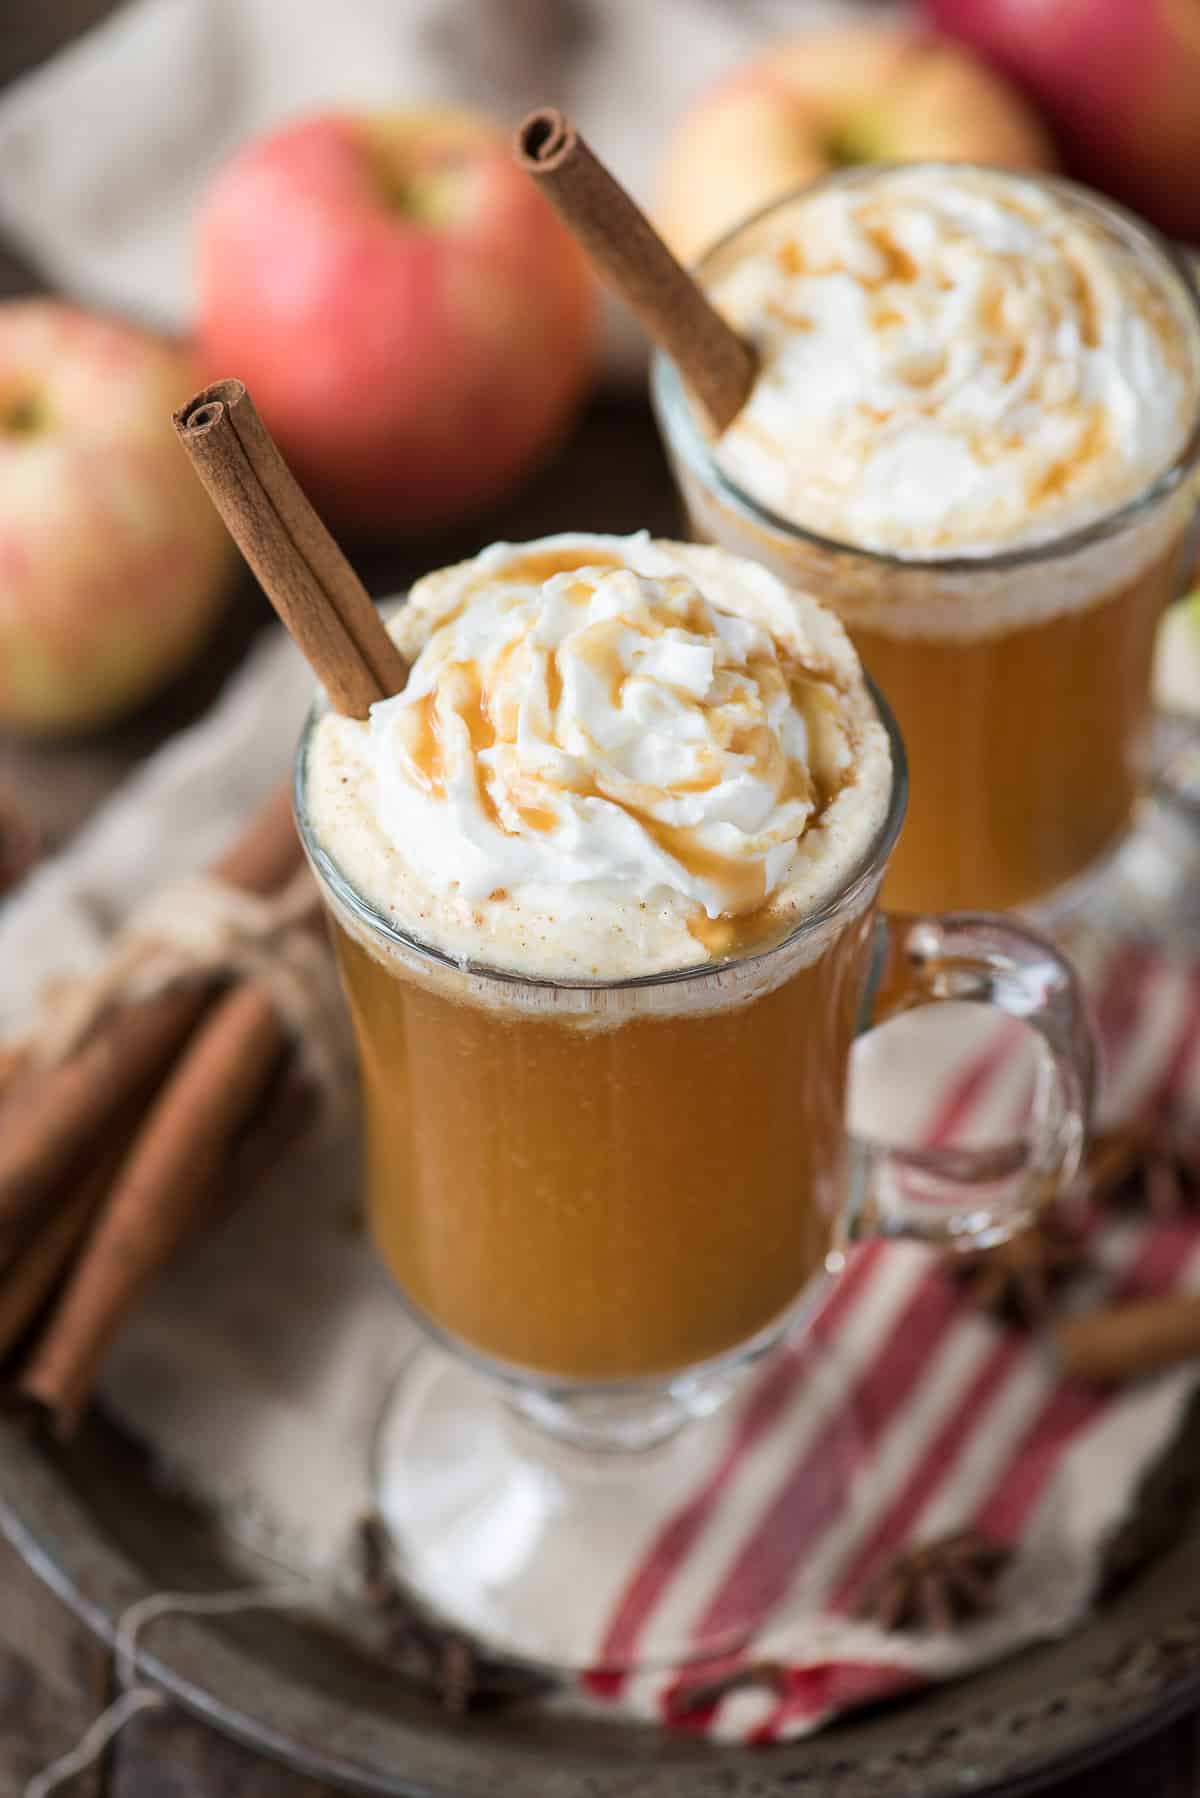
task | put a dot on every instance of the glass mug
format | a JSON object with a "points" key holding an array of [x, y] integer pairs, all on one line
{"points": [[1028, 736], [606, 1200]]}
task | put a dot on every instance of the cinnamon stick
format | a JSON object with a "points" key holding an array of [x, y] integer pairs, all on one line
{"points": [[14, 1058], [299, 566], [52, 1115], [1122, 1342], [162, 1188], [266, 851], [288, 1109], [717, 364], [29, 1282]]}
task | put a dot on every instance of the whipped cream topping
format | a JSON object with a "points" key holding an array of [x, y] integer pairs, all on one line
{"points": [[612, 756], [954, 362]]}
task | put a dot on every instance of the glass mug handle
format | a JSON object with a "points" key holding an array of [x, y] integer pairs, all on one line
{"points": [[969, 1197]]}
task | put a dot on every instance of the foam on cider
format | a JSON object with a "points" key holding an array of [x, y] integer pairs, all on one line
{"points": [[614, 757]]}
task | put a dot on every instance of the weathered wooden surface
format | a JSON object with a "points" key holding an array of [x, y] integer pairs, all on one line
{"points": [[54, 1677]]}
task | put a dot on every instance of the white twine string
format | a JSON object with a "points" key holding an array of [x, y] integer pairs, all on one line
{"points": [[93, 1741], [199, 925], [135, 1698]]}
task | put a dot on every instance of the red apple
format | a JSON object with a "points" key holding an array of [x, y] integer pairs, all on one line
{"points": [[414, 322], [1118, 79], [844, 94], [112, 561]]}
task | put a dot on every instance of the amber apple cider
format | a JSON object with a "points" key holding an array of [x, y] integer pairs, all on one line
{"points": [[597, 1203], [1028, 745], [602, 882]]}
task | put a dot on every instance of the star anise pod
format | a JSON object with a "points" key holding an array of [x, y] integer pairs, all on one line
{"points": [[442, 1660], [1017, 1279], [1152, 1164], [937, 1585]]}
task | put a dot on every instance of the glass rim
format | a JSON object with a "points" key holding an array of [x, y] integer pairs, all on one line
{"points": [[871, 866], [681, 429]]}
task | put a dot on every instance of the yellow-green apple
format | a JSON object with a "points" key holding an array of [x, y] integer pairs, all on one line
{"points": [[414, 322], [1118, 79], [113, 563], [832, 96]]}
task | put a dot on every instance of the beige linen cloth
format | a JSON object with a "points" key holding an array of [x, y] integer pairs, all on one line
{"points": [[258, 1364], [105, 152], [268, 1350]]}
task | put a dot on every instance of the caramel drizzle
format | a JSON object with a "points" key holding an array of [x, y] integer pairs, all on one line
{"points": [[423, 744], [1069, 293], [898, 264], [746, 916], [537, 566], [1059, 475], [795, 321], [530, 568]]}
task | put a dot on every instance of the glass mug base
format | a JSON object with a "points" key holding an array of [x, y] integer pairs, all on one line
{"points": [[528, 1542]]}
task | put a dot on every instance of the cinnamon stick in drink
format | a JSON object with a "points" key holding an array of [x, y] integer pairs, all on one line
{"points": [[718, 365], [302, 571], [52, 1115], [161, 1190], [1122, 1342]]}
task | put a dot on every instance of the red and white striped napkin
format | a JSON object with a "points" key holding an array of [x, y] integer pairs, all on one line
{"points": [[904, 1415]]}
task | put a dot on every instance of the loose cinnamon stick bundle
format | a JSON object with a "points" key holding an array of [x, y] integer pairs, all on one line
{"points": [[288, 1110], [204, 1110], [266, 852], [51, 1118], [52, 1115], [672, 307], [157, 1195], [29, 1281], [301, 569], [1123, 1342]]}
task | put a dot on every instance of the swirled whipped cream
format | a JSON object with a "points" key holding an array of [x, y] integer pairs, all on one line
{"points": [[613, 756], [954, 362]]}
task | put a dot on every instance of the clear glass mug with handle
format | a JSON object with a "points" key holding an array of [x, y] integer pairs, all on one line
{"points": [[602, 1203], [1021, 677]]}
